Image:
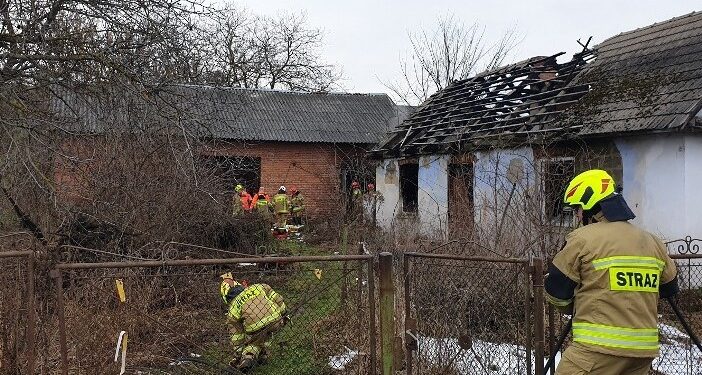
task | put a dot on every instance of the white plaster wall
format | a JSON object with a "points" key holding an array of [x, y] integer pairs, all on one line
{"points": [[658, 181], [492, 188], [693, 185], [387, 183], [433, 196]]}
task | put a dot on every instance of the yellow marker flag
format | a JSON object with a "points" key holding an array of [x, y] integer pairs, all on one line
{"points": [[120, 291], [318, 273]]}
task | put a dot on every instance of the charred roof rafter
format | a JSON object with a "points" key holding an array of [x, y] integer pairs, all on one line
{"points": [[516, 100]]}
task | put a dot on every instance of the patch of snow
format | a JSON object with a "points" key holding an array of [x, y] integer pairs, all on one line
{"points": [[339, 362], [677, 355], [180, 363], [490, 358], [672, 332]]}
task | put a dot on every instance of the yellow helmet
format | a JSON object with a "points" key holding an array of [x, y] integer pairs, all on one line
{"points": [[239, 188], [226, 286], [589, 188]]}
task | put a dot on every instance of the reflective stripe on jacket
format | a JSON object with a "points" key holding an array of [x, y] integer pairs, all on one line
{"points": [[260, 203], [281, 203], [256, 307]]}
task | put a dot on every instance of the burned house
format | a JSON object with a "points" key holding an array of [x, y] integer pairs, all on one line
{"points": [[510, 139]]}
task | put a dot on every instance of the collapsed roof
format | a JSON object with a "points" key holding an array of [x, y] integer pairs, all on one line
{"points": [[646, 80]]}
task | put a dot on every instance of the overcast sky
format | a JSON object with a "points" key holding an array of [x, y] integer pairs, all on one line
{"points": [[367, 37]]}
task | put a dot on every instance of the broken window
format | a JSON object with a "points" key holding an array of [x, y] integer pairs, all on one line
{"points": [[556, 174], [409, 187], [232, 170]]}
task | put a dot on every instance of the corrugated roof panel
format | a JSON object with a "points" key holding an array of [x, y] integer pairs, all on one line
{"points": [[267, 115]]}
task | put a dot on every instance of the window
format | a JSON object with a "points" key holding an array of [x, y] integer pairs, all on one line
{"points": [[555, 175], [232, 170], [409, 190]]}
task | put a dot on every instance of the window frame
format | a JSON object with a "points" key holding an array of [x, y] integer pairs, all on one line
{"points": [[566, 218]]}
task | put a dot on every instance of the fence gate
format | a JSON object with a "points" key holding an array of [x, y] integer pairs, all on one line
{"points": [[467, 315], [174, 317]]}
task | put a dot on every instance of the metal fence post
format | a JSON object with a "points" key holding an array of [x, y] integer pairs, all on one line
{"points": [[410, 324], [371, 317], [387, 312], [552, 336], [359, 279], [344, 251], [57, 275], [527, 315], [537, 279], [31, 316]]}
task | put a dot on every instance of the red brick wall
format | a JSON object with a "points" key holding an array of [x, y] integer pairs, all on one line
{"points": [[313, 167]]}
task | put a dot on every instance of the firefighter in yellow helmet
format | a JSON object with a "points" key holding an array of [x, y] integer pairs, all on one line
{"points": [[610, 274], [281, 205], [254, 314]]}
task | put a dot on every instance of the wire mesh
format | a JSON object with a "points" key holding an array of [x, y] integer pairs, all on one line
{"points": [[678, 354], [14, 310], [175, 319], [471, 317]]}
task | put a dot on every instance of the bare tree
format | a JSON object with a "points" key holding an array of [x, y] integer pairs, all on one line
{"points": [[449, 52], [273, 52], [55, 50]]}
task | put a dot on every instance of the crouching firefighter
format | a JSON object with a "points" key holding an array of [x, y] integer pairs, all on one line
{"points": [[611, 274], [254, 314]]}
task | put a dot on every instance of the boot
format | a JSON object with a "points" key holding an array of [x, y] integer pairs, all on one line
{"points": [[263, 357], [234, 362], [246, 364]]}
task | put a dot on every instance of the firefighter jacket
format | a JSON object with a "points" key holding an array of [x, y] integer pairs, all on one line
{"points": [[255, 308], [243, 203], [297, 204], [356, 195], [613, 273], [260, 203], [281, 203]]}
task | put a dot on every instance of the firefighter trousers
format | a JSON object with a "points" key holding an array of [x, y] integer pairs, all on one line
{"points": [[251, 345], [579, 360]]}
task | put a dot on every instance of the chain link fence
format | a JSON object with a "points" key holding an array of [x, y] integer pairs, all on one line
{"points": [[174, 316], [17, 308], [467, 315], [458, 315]]}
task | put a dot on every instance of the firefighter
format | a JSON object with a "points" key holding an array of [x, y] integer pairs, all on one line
{"points": [[611, 274], [356, 202], [372, 199], [261, 202], [281, 205], [243, 203], [297, 206], [254, 314]]}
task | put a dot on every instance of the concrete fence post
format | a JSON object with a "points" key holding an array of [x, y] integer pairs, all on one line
{"points": [[387, 312]]}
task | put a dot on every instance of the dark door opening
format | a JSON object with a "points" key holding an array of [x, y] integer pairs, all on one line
{"points": [[409, 187], [460, 199]]}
